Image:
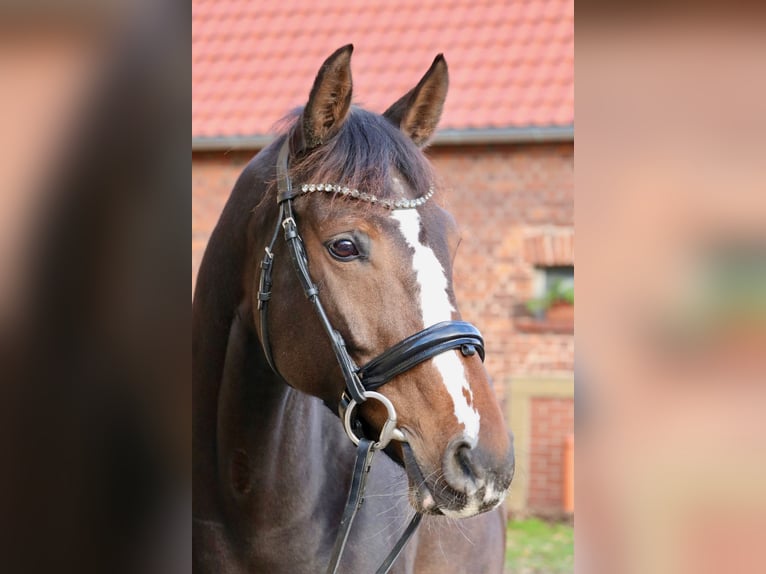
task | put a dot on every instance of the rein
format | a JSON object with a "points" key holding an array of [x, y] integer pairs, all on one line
{"points": [[360, 383]]}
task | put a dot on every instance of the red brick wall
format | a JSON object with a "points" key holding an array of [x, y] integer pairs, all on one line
{"points": [[540, 354], [499, 195], [213, 177], [552, 420]]}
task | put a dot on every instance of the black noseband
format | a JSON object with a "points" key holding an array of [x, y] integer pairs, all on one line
{"points": [[420, 347]]}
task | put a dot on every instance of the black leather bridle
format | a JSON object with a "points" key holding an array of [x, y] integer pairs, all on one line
{"points": [[360, 382]]}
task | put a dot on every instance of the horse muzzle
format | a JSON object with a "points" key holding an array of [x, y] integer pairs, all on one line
{"points": [[468, 483]]}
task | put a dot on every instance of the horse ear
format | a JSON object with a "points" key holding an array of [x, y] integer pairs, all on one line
{"points": [[330, 98], [417, 113]]}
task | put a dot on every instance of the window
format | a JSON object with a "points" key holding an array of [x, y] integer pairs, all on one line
{"points": [[552, 307], [559, 277]]}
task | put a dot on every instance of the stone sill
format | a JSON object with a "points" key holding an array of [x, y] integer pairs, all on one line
{"points": [[555, 326]]}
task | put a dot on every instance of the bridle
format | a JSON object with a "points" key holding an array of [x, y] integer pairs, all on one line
{"points": [[360, 382]]}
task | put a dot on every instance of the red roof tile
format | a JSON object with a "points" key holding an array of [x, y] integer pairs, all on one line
{"points": [[511, 64]]}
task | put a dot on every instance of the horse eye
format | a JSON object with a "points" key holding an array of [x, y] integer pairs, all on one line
{"points": [[344, 249]]}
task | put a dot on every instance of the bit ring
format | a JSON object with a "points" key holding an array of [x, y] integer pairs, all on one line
{"points": [[389, 431]]}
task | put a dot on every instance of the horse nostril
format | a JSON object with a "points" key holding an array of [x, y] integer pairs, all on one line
{"points": [[460, 469], [463, 456]]}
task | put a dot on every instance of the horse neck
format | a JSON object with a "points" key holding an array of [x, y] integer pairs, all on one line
{"points": [[272, 437], [220, 319], [289, 464]]}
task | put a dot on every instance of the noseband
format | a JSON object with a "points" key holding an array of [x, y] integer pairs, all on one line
{"points": [[360, 382]]}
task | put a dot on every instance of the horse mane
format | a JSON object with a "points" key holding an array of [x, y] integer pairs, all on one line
{"points": [[365, 154]]}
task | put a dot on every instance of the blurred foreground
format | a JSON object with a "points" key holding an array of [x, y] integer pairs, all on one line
{"points": [[671, 316], [94, 320]]}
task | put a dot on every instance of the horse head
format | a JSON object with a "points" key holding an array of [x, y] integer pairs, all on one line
{"points": [[380, 253]]}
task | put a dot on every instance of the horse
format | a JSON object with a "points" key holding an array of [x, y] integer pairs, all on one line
{"points": [[351, 191]]}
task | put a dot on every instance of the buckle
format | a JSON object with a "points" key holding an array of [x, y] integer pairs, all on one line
{"points": [[288, 221]]}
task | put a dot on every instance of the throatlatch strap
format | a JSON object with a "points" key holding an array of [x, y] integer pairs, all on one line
{"points": [[284, 188], [264, 293]]}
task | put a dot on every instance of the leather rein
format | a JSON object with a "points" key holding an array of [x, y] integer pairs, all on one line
{"points": [[360, 382]]}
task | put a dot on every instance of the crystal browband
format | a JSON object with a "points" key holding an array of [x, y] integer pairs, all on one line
{"points": [[356, 194]]}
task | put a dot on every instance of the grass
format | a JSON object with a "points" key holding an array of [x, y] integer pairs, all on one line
{"points": [[537, 547]]}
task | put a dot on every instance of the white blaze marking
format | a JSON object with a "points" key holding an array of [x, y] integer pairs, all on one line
{"points": [[436, 307]]}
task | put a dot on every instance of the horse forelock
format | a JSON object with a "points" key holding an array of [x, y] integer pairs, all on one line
{"points": [[366, 154]]}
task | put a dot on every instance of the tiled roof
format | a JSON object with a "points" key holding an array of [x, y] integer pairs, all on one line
{"points": [[511, 63]]}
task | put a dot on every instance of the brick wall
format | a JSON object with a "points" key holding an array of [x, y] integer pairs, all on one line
{"points": [[499, 196], [213, 177], [552, 420]]}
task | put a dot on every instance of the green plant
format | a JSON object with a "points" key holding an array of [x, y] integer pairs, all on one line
{"points": [[537, 306], [558, 292], [566, 294]]}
